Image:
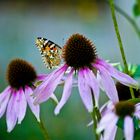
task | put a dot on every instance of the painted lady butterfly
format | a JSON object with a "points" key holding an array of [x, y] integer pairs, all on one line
{"points": [[50, 52]]}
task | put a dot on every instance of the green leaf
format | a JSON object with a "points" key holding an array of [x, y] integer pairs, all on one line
{"points": [[136, 123], [135, 101], [134, 70], [137, 134], [120, 122], [137, 72], [136, 9]]}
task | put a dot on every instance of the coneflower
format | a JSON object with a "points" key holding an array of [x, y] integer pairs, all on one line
{"points": [[80, 57], [21, 76], [112, 113]]}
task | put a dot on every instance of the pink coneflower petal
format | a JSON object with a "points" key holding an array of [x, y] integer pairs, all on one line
{"points": [[137, 107], [54, 98], [20, 105], [128, 128], [106, 112], [74, 81], [52, 83], [4, 98], [66, 92], [41, 77], [105, 121], [34, 108], [106, 108], [48, 79], [11, 117], [121, 77], [85, 91], [137, 111], [100, 81], [108, 83], [41, 87], [92, 82], [90, 123], [47, 91], [110, 131]]}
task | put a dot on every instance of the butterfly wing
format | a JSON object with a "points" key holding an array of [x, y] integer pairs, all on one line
{"points": [[50, 52]]}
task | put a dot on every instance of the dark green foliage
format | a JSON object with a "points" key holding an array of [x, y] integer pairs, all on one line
{"points": [[136, 8], [137, 72]]}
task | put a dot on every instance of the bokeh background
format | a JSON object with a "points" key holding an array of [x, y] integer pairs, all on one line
{"points": [[21, 21]]}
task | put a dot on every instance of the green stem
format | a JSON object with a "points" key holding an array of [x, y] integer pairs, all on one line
{"points": [[131, 21], [118, 35], [98, 114], [132, 92], [43, 129], [95, 116], [128, 18], [111, 2]]}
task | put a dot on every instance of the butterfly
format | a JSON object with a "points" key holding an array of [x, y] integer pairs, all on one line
{"points": [[50, 52]]}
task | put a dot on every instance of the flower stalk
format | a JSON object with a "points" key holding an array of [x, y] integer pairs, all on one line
{"points": [[95, 124], [112, 7], [95, 116], [43, 129], [98, 114], [128, 18]]}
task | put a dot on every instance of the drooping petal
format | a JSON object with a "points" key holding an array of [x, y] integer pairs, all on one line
{"points": [[110, 130], [137, 110], [45, 93], [54, 98], [108, 83], [90, 123], [107, 116], [105, 121], [51, 77], [137, 114], [137, 106], [128, 128], [20, 105], [66, 92], [41, 87], [74, 81], [100, 81], [34, 108], [85, 91], [41, 77], [93, 83], [106, 108], [11, 117], [121, 77], [4, 98]]}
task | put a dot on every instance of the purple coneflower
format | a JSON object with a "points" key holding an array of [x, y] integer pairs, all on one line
{"points": [[111, 115], [21, 75], [80, 57]]}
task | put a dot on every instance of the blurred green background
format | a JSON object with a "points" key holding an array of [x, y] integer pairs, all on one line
{"points": [[22, 21]]}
